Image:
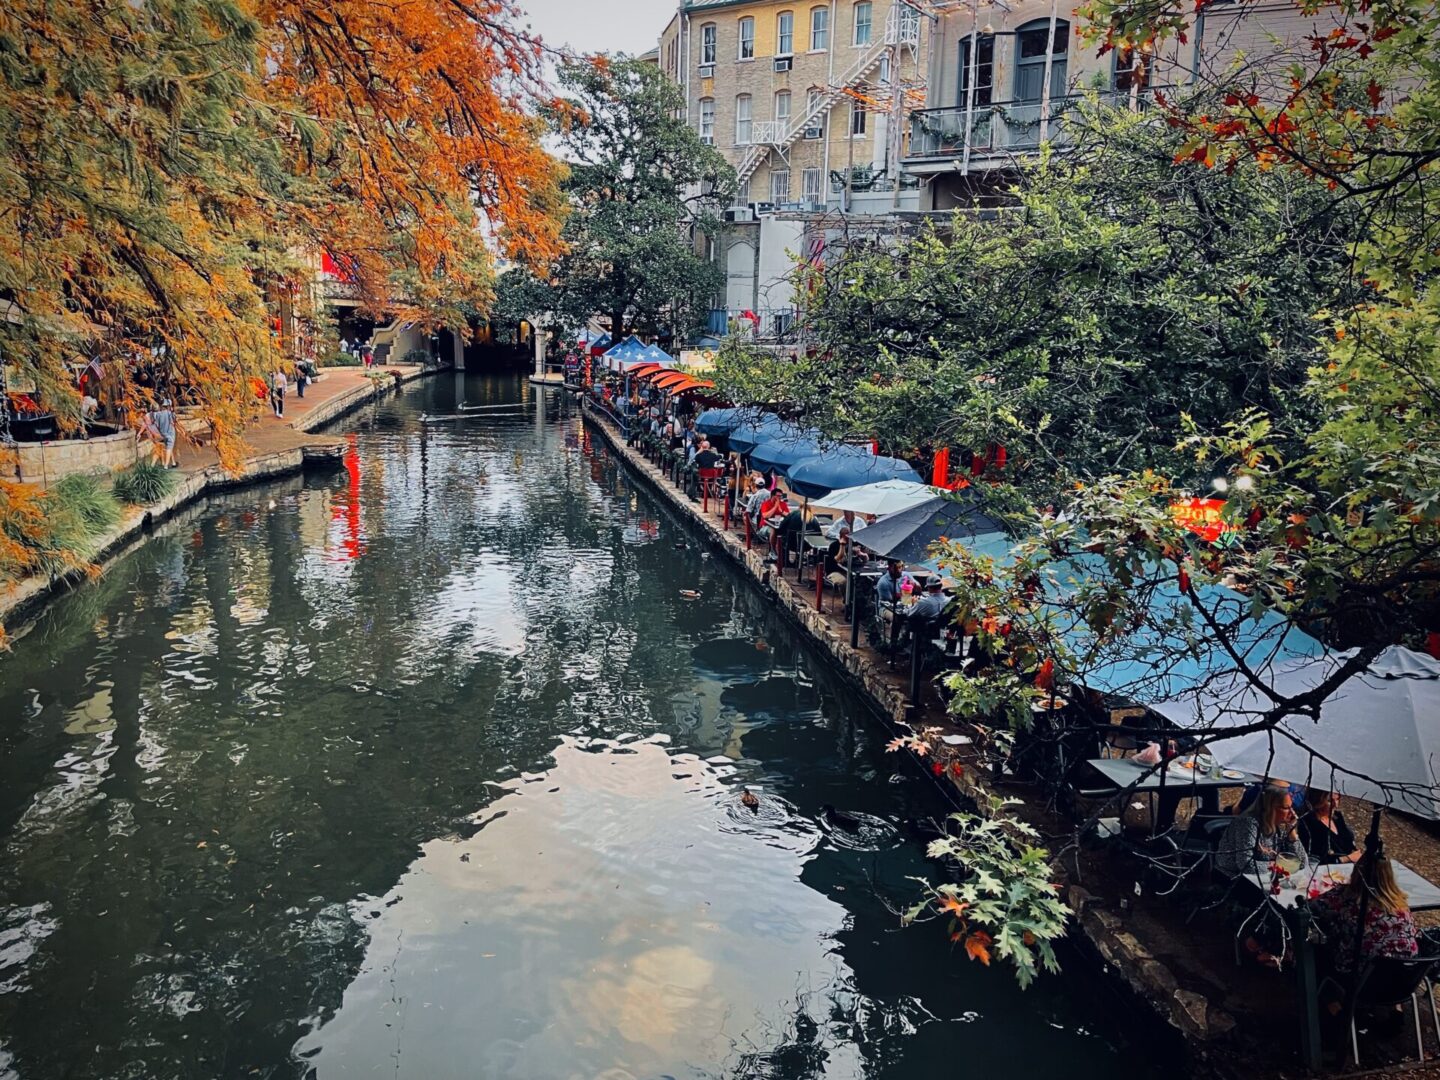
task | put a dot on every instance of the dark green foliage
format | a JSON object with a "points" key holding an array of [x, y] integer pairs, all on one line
{"points": [[91, 499], [144, 482]]}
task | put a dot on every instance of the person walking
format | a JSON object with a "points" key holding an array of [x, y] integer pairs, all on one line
{"points": [[161, 424], [301, 378], [277, 391]]}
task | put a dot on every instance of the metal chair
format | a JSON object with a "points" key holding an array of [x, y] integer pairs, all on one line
{"points": [[1386, 982]]}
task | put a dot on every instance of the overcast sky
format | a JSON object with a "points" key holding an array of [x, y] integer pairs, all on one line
{"points": [[631, 26]]}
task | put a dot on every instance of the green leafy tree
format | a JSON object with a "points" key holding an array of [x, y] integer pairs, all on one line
{"points": [[1116, 295], [644, 197]]}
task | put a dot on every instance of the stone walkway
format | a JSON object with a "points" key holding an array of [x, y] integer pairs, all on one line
{"points": [[271, 434]]}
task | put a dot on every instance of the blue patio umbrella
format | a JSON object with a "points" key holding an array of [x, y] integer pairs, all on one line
{"points": [[1173, 651], [779, 454], [722, 421], [767, 426], [844, 467]]}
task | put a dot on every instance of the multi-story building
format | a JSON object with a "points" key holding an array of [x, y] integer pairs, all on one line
{"points": [[808, 102], [995, 92]]}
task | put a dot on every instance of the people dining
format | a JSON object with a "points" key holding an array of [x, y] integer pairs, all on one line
{"points": [[1255, 839], [1324, 831], [1389, 925], [930, 608], [894, 582], [842, 526], [706, 456]]}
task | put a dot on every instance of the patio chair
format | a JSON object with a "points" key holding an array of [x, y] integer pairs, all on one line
{"points": [[1384, 983], [711, 487]]}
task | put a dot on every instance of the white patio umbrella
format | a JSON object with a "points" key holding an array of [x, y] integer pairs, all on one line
{"points": [[1377, 738], [880, 498]]}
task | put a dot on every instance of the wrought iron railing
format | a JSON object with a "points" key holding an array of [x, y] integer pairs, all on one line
{"points": [[1001, 126]]}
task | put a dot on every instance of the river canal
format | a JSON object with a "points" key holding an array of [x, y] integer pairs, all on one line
{"points": [[431, 769]]}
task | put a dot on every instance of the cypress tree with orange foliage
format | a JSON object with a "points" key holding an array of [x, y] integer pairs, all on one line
{"points": [[166, 166]]}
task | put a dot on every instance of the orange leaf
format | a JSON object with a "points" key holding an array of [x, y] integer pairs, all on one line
{"points": [[951, 906], [977, 947]]}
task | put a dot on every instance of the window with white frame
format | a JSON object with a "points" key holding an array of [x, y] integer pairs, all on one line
{"points": [[742, 193], [857, 118], [780, 185], [862, 22], [707, 44], [785, 33], [782, 108], [742, 120], [810, 182], [747, 38], [819, 29], [707, 120], [909, 23]]}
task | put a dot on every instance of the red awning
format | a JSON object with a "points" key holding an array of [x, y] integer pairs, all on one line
{"points": [[646, 369], [671, 380]]}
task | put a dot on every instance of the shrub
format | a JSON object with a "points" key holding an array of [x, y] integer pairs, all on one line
{"points": [[39, 532], [340, 359], [416, 358], [91, 498], [146, 481]]}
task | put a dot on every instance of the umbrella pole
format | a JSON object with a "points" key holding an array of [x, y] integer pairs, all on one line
{"points": [[854, 596], [800, 541]]}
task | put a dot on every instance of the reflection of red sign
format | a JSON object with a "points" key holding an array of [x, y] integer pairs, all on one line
{"points": [[1203, 517]]}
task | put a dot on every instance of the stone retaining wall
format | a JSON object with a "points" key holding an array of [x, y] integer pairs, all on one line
{"points": [[43, 463]]}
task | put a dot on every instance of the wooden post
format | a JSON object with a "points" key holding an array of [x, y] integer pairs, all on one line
{"points": [[747, 532], [819, 589]]}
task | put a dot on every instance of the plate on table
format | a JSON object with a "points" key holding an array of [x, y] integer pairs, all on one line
{"points": [[1232, 774]]}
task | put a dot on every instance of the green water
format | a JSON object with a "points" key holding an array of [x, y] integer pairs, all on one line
{"points": [[428, 769]]}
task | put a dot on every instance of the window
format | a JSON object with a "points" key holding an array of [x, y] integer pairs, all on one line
{"points": [[747, 38], [810, 185], [782, 108], [780, 186], [742, 193], [707, 44], [785, 33], [1030, 60], [857, 118], [1131, 69], [819, 29], [862, 23], [707, 120], [742, 120], [984, 69]]}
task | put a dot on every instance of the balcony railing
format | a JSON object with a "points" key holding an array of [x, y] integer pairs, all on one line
{"points": [[1001, 127]]}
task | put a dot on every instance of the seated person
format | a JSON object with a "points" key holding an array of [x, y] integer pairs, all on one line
{"points": [[706, 457], [1251, 793], [892, 583], [774, 506], [1255, 839], [1389, 926], [756, 499], [930, 608], [1324, 831], [843, 525]]}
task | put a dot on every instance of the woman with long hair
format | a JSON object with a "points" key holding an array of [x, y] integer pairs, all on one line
{"points": [[1256, 839], [1389, 925]]}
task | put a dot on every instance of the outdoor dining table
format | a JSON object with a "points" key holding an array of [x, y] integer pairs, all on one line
{"points": [[1423, 896], [1181, 779]]}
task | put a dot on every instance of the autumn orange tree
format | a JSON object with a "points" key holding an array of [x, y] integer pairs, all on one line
{"points": [[167, 166]]}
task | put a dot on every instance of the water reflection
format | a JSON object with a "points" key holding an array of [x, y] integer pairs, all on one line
{"points": [[432, 767]]}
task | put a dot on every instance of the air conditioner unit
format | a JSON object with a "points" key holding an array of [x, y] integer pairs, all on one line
{"points": [[816, 132], [707, 71], [783, 63], [739, 213], [762, 208]]}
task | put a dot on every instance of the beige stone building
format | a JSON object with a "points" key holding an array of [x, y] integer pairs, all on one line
{"points": [[995, 92], [808, 102]]}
